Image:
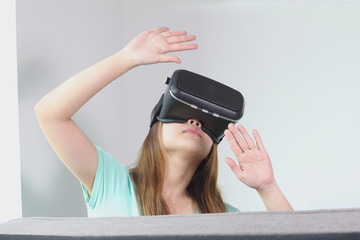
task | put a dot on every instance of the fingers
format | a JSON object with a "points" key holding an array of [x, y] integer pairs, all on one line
{"points": [[248, 143], [169, 58], [182, 47], [176, 36], [176, 40], [180, 39], [258, 140], [247, 137], [240, 141], [171, 42], [176, 33], [234, 167], [160, 29], [233, 143]]}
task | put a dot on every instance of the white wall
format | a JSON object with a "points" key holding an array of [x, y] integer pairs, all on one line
{"points": [[296, 63], [10, 200]]}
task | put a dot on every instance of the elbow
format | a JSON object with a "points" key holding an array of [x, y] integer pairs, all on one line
{"points": [[41, 111], [38, 110], [47, 112]]}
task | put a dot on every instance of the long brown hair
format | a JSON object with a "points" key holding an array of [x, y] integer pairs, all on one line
{"points": [[148, 176]]}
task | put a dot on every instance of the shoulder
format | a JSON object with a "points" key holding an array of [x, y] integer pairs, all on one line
{"points": [[110, 171], [113, 192], [107, 161]]}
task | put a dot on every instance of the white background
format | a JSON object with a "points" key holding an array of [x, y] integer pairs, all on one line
{"points": [[295, 62], [10, 196]]}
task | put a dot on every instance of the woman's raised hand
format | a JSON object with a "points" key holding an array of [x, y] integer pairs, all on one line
{"points": [[254, 166], [151, 46]]}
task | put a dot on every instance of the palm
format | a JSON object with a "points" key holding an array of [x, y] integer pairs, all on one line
{"points": [[151, 46], [254, 167]]}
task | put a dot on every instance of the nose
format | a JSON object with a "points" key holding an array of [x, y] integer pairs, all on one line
{"points": [[194, 122]]}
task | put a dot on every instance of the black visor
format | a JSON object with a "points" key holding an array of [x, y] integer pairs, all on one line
{"points": [[190, 95]]}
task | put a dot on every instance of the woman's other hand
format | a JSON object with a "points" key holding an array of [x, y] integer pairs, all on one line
{"points": [[152, 46], [254, 166]]}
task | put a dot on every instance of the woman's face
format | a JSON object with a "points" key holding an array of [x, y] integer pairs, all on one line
{"points": [[187, 138]]}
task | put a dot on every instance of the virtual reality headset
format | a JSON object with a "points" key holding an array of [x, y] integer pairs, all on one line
{"points": [[192, 96]]}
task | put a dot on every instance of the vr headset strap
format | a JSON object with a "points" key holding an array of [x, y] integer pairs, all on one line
{"points": [[158, 106], [157, 110]]}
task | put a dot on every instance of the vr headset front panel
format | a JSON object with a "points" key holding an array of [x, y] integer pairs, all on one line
{"points": [[180, 102]]}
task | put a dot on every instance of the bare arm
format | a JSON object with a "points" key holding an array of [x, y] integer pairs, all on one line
{"points": [[55, 110], [274, 199]]}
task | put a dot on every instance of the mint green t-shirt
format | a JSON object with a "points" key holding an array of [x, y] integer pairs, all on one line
{"points": [[113, 193]]}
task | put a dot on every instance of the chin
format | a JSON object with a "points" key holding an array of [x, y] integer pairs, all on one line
{"points": [[194, 147]]}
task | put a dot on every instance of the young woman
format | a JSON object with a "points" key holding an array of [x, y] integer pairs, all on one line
{"points": [[176, 172]]}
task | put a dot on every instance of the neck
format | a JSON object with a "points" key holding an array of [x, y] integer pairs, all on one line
{"points": [[179, 173]]}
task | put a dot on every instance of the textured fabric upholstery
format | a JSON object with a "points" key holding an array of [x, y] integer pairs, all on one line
{"points": [[319, 224]]}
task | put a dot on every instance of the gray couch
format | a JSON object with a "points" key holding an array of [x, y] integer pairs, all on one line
{"points": [[320, 224]]}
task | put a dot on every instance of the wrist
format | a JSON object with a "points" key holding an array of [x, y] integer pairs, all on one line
{"points": [[126, 58], [268, 189], [273, 198]]}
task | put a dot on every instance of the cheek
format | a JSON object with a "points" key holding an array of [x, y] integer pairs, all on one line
{"points": [[168, 132], [165, 134], [208, 143]]}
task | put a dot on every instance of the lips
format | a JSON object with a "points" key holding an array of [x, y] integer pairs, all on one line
{"points": [[193, 130]]}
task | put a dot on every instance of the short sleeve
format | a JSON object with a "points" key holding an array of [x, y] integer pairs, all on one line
{"points": [[113, 192], [229, 208]]}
